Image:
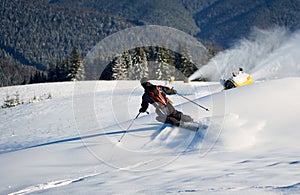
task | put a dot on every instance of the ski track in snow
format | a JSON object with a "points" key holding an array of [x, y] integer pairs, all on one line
{"points": [[52, 184], [78, 138]]}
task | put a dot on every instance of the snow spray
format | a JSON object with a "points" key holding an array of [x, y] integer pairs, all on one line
{"points": [[265, 54]]}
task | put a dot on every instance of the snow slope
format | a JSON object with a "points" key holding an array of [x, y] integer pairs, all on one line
{"points": [[247, 143]]}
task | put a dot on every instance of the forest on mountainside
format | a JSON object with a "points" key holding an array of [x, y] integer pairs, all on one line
{"points": [[37, 34]]}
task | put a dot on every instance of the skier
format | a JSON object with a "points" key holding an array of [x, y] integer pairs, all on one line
{"points": [[156, 95]]}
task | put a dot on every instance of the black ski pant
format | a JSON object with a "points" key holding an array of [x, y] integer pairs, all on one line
{"points": [[174, 118]]}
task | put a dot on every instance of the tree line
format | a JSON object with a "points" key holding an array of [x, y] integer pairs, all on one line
{"points": [[69, 69], [36, 33], [154, 62]]}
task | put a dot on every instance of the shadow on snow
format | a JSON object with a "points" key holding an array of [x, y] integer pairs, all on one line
{"points": [[153, 128]]}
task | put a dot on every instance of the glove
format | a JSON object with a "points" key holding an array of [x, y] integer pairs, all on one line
{"points": [[142, 110]]}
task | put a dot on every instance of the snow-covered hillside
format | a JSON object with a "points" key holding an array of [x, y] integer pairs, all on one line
{"points": [[248, 142]]}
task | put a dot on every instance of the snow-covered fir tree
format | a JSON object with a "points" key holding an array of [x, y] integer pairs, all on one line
{"points": [[74, 65], [70, 68], [141, 67], [129, 64], [164, 70], [187, 67], [119, 69], [80, 75]]}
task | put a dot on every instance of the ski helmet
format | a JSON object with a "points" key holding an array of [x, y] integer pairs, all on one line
{"points": [[144, 80]]}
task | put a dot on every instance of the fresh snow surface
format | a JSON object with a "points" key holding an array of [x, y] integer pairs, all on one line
{"points": [[248, 141]]}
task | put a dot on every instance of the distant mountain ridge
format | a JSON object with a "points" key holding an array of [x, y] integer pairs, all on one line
{"points": [[218, 21], [34, 34]]}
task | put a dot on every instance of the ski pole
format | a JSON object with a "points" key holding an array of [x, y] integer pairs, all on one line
{"points": [[129, 126], [192, 101]]}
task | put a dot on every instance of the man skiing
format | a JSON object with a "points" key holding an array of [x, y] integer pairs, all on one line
{"points": [[156, 95]]}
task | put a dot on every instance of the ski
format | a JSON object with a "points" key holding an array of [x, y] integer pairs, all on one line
{"points": [[193, 126]]}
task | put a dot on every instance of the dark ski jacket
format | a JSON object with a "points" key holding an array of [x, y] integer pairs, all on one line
{"points": [[156, 95]]}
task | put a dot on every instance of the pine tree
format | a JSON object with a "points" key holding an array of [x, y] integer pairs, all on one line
{"points": [[24, 81], [164, 70], [81, 71], [38, 77], [129, 64], [186, 64], [64, 70], [74, 65], [141, 67], [119, 69], [57, 70], [153, 53], [159, 69], [52, 72], [70, 68], [168, 60]]}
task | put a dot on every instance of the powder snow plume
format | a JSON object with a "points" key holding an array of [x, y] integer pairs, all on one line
{"points": [[265, 54]]}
